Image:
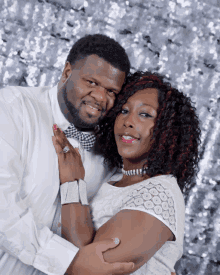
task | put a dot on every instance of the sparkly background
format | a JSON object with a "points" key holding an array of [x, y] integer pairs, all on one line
{"points": [[178, 38]]}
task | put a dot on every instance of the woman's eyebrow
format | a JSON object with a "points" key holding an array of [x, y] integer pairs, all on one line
{"points": [[142, 104]]}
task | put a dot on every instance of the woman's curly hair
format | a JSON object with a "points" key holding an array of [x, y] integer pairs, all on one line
{"points": [[176, 134]]}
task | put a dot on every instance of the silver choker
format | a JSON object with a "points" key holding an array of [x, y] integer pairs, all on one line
{"points": [[134, 172]]}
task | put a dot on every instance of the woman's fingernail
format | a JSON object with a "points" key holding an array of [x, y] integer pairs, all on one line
{"points": [[116, 240], [55, 127]]}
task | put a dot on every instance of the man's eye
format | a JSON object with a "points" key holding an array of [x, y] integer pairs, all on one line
{"points": [[111, 92], [91, 82]]}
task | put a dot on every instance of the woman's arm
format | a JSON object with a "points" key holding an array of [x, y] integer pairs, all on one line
{"points": [[77, 226], [141, 235], [76, 220]]}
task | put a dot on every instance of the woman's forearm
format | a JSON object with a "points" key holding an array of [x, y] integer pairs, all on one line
{"points": [[77, 226]]}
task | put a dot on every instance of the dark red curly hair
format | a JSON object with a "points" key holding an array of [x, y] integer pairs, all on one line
{"points": [[176, 134]]}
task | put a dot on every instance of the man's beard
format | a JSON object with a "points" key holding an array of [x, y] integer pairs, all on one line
{"points": [[76, 119]]}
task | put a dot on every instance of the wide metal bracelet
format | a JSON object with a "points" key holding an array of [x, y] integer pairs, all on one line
{"points": [[69, 192], [83, 192]]}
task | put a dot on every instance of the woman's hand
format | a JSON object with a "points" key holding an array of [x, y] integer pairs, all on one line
{"points": [[70, 163]]}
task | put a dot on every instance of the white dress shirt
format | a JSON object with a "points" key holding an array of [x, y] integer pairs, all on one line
{"points": [[29, 183]]}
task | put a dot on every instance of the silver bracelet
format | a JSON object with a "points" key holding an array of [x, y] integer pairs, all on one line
{"points": [[83, 192], [69, 192], [74, 191]]}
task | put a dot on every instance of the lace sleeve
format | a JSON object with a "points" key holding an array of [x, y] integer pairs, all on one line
{"points": [[154, 199]]}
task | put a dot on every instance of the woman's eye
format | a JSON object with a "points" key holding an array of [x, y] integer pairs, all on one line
{"points": [[124, 111], [145, 115]]}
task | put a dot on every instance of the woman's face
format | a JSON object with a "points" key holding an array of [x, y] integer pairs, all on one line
{"points": [[133, 127]]}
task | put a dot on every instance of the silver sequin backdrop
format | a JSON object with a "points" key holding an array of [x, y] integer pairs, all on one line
{"points": [[178, 38]]}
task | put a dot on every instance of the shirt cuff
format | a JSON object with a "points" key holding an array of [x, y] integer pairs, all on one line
{"points": [[56, 256]]}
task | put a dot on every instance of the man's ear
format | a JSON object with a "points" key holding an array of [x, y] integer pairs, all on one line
{"points": [[66, 72]]}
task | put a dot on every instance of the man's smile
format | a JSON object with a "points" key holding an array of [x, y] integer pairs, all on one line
{"points": [[91, 109]]}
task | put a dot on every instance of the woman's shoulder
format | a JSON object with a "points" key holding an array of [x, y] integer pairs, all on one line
{"points": [[161, 197], [165, 186], [165, 183]]}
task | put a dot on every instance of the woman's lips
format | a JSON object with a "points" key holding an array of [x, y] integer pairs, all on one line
{"points": [[128, 140]]}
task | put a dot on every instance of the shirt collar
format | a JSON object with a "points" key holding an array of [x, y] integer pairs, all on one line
{"points": [[58, 116]]}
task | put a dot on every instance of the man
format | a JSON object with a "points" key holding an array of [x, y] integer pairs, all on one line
{"points": [[30, 240]]}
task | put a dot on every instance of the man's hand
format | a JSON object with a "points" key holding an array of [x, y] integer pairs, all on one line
{"points": [[90, 261]]}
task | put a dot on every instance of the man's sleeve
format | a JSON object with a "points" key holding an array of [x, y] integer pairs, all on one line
{"points": [[20, 236]]}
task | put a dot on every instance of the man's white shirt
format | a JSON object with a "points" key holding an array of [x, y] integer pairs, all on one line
{"points": [[29, 183]]}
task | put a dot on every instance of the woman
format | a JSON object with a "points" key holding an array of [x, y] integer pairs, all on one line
{"points": [[153, 134]]}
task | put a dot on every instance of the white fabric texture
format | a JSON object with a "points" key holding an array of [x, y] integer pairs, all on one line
{"points": [[30, 242], [158, 196]]}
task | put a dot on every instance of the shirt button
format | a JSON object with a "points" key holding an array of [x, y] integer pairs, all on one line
{"points": [[59, 224]]}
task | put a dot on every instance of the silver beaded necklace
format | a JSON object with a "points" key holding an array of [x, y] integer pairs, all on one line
{"points": [[134, 172]]}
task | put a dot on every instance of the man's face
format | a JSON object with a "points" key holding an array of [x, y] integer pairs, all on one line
{"points": [[90, 90]]}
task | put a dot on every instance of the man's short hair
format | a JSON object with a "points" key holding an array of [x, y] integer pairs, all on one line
{"points": [[102, 46]]}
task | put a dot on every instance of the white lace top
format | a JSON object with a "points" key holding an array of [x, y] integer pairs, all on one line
{"points": [[160, 197]]}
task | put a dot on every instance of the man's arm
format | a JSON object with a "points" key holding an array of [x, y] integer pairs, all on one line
{"points": [[20, 236]]}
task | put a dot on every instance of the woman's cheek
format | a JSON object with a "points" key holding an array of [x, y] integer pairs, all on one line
{"points": [[117, 124]]}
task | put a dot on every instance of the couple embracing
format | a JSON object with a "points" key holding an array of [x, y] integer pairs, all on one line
{"points": [[126, 148]]}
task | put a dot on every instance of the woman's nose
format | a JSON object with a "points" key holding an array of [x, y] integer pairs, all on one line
{"points": [[129, 121]]}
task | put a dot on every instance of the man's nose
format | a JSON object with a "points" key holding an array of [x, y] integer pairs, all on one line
{"points": [[99, 93]]}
